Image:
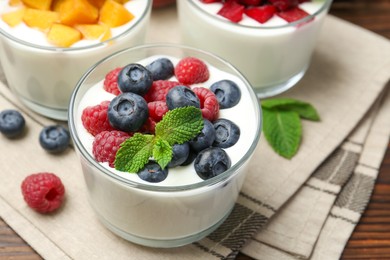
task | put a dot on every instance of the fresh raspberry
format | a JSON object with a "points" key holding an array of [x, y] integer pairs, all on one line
{"points": [[106, 144], [190, 70], [110, 82], [208, 103], [43, 191], [159, 90], [149, 126], [95, 118], [157, 109]]}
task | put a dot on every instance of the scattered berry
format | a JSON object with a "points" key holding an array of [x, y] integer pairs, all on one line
{"points": [[227, 92], [261, 13], [181, 96], [95, 119], [159, 90], [232, 11], [161, 69], [12, 123], [54, 138], [180, 154], [152, 172], [205, 138], [208, 103], [191, 70], [111, 82], [211, 162], [135, 78], [227, 133], [106, 144], [43, 192], [157, 110]]}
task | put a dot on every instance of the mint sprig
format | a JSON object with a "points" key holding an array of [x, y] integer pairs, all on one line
{"points": [[282, 125], [177, 126]]}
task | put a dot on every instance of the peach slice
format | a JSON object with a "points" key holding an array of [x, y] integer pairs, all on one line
{"points": [[14, 2], [62, 35], [114, 14], [92, 31], [78, 12], [13, 18], [40, 19], [38, 4]]}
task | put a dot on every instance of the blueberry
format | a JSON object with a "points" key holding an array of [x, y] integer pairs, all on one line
{"points": [[179, 154], [190, 158], [227, 92], [227, 133], [128, 112], [181, 96], [161, 69], [205, 138], [135, 78], [152, 172], [54, 138], [11, 123], [211, 162]]}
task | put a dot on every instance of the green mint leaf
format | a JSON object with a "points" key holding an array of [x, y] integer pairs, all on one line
{"points": [[283, 131], [180, 125], [134, 153], [162, 152], [305, 110]]}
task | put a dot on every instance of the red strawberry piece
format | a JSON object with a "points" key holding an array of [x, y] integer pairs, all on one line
{"points": [[106, 144], [110, 82], [95, 119], [159, 90], [283, 5], [191, 70], [261, 13], [250, 2], [208, 103], [293, 14], [232, 11], [43, 191], [210, 1]]}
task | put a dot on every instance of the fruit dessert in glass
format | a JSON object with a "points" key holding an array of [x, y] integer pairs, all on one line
{"points": [[165, 134], [45, 46], [271, 42]]}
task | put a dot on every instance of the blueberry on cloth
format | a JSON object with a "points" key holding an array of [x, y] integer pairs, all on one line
{"points": [[135, 78], [127, 112], [54, 138], [181, 96], [205, 138], [227, 133], [227, 92], [180, 153], [211, 162], [161, 69], [152, 172], [11, 123]]}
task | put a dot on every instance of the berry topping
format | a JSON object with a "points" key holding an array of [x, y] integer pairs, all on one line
{"points": [[106, 144], [152, 172], [191, 70], [208, 103], [95, 119], [211, 162], [135, 78], [180, 154], [292, 15], [181, 96], [227, 92], [205, 138], [128, 112], [250, 2], [191, 157], [11, 123], [149, 126], [232, 11], [283, 5], [43, 192], [161, 69], [111, 82], [261, 13], [54, 139], [157, 110], [227, 133], [160, 89]]}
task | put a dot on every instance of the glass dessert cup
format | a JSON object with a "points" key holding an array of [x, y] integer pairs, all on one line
{"points": [[272, 58], [43, 77], [149, 214]]}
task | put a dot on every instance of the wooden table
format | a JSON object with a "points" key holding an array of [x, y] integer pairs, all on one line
{"points": [[371, 238]]}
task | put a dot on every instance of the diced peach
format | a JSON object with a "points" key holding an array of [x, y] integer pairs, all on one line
{"points": [[114, 14], [40, 19], [92, 31], [97, 3], [56, 5], [14, 2], [38, 4], [107, 35], [13, 18], [78, 12], [63, 36]]}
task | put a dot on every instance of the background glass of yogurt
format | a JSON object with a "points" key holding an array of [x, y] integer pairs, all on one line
{"points": [[273, 56], [43, 77], [160, 214]]}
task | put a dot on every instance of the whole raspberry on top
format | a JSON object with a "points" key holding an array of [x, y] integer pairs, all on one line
{"points": [[106, 144], [157, 110], [159, 90], [95, 119], [208, 103], [43, 192], [191, 70], [111, 82]]}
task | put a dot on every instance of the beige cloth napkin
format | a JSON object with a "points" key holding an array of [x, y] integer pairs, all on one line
{"points": [[349, 71]]}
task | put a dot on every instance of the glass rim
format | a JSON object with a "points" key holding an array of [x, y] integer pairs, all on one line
{"points": [[150, 187], [323, 8], [74, 49]]}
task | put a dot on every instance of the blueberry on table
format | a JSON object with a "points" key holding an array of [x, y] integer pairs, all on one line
{"points": [[161, 69], [128, 112], [205, 138], [227, 92], [181, 96], [152, 172], [11, 123], [227, 133], [180, 153], [135, 78], [211, 162], [54, 138]]}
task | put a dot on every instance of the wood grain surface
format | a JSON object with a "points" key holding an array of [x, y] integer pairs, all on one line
{"points": [[371, 238]]}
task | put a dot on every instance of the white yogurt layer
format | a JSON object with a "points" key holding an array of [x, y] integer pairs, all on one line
{"points": [[243, 114]]}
